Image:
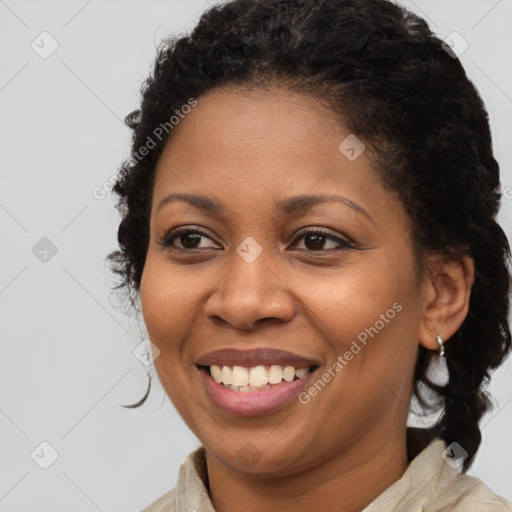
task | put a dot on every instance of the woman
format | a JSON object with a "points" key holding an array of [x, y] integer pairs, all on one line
{"points": [[311, 245]]}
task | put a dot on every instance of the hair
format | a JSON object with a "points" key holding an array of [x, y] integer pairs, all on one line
{"points": [[391, 82]]}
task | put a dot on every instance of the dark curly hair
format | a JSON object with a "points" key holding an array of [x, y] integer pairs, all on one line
{"points": [[391, 82]]}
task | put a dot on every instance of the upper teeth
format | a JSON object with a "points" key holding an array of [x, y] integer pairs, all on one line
{"points": [[256, 376]]}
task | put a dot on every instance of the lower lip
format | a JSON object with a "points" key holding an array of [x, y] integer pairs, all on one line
{"points": [[252, 403]]}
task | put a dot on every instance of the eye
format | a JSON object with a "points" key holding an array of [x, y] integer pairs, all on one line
{"points": [[314, 240], [188, 238]]}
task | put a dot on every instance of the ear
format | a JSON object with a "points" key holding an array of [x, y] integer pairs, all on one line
{"points": [[446, 294]]}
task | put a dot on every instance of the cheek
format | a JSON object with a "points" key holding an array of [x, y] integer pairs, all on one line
{"points": [[353, 300], [369, 320], [164, 302], [167, 308]]}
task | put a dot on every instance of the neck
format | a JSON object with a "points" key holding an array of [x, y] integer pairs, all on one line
{"points": [[324, 487]]}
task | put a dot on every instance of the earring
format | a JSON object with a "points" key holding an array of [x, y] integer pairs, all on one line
{"points": [[440, 346]]}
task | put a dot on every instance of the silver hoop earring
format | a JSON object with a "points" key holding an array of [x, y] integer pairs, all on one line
{"points": [[440, 346]]}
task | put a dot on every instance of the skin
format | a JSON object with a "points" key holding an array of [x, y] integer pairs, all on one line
{"points": [[347, 445]]}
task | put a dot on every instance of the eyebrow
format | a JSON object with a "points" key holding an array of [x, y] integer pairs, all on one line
{"points": [[291, 206]]}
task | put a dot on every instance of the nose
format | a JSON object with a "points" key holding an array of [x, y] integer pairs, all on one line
{"points": [[250, 293]]}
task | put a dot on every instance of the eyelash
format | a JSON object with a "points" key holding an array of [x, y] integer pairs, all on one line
{"points": [[171, 235]]}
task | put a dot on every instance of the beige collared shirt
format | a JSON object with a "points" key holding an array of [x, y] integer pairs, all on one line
{"points": [[429, 484]]}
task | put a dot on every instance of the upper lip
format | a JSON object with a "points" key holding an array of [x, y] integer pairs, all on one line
{"points": [[255, 357]]}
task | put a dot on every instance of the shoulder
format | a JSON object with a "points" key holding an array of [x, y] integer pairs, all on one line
{"points": [[190, 493], [466, 493], [432, 483], [163, 504]]}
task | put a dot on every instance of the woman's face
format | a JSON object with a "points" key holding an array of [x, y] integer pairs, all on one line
{"points": [[259, 288]]}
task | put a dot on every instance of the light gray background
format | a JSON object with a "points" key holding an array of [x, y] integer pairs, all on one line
{"points": [[66, 351]]}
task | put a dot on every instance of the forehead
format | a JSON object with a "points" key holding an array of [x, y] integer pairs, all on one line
{"points": [[257, 150], [261, 135]]}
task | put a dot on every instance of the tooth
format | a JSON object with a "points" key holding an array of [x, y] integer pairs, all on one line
{"points": [[244, 389], [240, 376], [258, 376], [289, 373], [275, 374], [226, 375], [216, 373], [301, 372], [233, 388], [253, 388]]}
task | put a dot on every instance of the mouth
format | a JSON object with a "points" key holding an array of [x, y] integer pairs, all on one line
{"points": [[254, 390], [256, 378]]}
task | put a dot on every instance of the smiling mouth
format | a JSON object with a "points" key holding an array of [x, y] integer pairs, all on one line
{"points": [[256, 378]]}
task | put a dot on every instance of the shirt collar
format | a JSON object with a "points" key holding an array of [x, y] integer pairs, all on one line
{"points": [[426, 475]]}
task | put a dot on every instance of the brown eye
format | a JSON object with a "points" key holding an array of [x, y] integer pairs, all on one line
{"points": [[188, 238], [316, 240]]}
